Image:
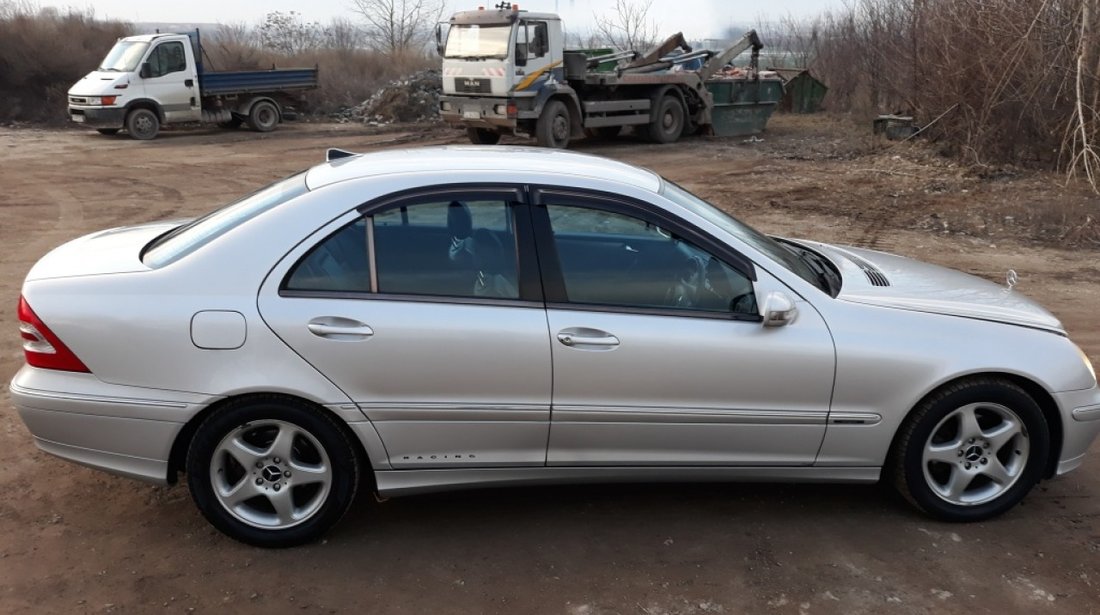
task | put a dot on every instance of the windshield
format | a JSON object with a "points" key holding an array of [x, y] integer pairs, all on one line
{"points": [[185, 239], [742, 231], [478, 41], [124, 56]]}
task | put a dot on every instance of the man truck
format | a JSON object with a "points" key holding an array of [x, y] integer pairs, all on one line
{"points": [[155, 79], [506, 71]]}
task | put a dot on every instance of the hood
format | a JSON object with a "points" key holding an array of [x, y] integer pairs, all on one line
{"points": [[116, 250], [100, 83], [888, 280]]}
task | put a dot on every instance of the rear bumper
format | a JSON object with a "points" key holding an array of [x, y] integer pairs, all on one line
{"points": [[119, 429], [98, 117], [1081, 423]]}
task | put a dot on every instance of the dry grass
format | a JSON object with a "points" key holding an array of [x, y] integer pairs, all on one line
{"points": [[42, 53], [1019, 79]]}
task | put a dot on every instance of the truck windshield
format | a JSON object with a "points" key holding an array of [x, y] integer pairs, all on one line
{"points": [[475, 41], [742, 231], [183, 240], [124, 57]]}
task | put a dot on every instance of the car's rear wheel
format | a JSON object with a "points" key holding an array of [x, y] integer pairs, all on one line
{"points": [[272, 471], [972, 450]]}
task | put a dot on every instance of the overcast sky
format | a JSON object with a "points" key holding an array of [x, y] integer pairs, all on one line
{"points": [[696, 18]]}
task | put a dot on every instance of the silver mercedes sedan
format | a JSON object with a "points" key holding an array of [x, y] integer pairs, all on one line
{"points": [[471, 317]]}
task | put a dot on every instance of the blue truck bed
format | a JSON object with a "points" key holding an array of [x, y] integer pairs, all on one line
{"points": [[252, 81]]}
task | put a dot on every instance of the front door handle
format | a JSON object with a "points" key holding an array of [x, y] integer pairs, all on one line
{"points": [[587, 339], [339, 328]]}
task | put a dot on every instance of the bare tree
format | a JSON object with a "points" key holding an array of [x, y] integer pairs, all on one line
{"points": [[394, 26], [288, 33], [629, 26]]}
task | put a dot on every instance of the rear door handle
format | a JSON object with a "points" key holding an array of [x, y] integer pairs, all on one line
{"points": [[584, 338], [339, 328]]}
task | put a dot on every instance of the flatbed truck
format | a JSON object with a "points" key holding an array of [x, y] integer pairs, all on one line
{"points": [[150, 80]]}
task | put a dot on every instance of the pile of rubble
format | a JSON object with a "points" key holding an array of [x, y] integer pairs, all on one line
{"points": [[411, 99]]}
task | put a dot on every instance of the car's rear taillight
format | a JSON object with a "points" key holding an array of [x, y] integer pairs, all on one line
{"points": [[41, 347]]}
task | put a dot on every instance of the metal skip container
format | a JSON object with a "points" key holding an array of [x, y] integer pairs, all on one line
{"points": [[742, 106]]}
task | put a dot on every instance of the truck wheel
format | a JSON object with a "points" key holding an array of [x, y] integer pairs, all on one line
{"points": [[482, 136], [552, 129], [142, 124], [107, 131], [667, 123], [264, 116]]}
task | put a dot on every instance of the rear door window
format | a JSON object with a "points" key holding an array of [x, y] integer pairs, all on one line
{"points": [[452, 247]]}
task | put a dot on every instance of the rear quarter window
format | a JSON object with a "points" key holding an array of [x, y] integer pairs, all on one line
{"points": [[185, 239]]}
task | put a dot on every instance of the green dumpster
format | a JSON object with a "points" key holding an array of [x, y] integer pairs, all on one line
{"points": [[742, 106]]}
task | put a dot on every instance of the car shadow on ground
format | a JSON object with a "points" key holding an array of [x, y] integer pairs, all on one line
{"points": [[549, 513]]}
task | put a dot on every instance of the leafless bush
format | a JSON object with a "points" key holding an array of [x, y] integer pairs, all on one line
{"points": [[43, 52], [1020, 77]]}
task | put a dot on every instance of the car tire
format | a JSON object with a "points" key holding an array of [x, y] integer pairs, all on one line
{"points": [[142, 124], [667, 124], [483, 136], [554, 127], [272, 471], [971, 450], [264, 116], [107, 131]]}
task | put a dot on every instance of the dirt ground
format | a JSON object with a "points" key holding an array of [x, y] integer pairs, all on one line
{"points": [[73, 540]]}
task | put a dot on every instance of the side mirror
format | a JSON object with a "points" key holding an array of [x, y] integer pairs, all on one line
{"points": [[146, 71], [439, 38], [779, 310]]}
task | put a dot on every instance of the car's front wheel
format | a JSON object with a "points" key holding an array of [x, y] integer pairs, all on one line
{"points": [[972, 450], [272, 471]]}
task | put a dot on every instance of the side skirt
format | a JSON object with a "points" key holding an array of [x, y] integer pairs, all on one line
{"points": [[409, 482]]}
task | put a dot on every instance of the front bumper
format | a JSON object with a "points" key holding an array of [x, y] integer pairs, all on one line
{"points": [[1081, 424], [119, 429], [98, 117], [475, 113], [467, 111]]}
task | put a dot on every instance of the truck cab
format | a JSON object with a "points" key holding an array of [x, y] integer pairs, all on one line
{"points": [[499, 66], [157, 72]]}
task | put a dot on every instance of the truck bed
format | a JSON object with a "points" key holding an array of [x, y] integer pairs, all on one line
{"points": [[252, 81]]}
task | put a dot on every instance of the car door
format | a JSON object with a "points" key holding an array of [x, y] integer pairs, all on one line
{"points": [[659, 354], [425, 312], [171, 81]]}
